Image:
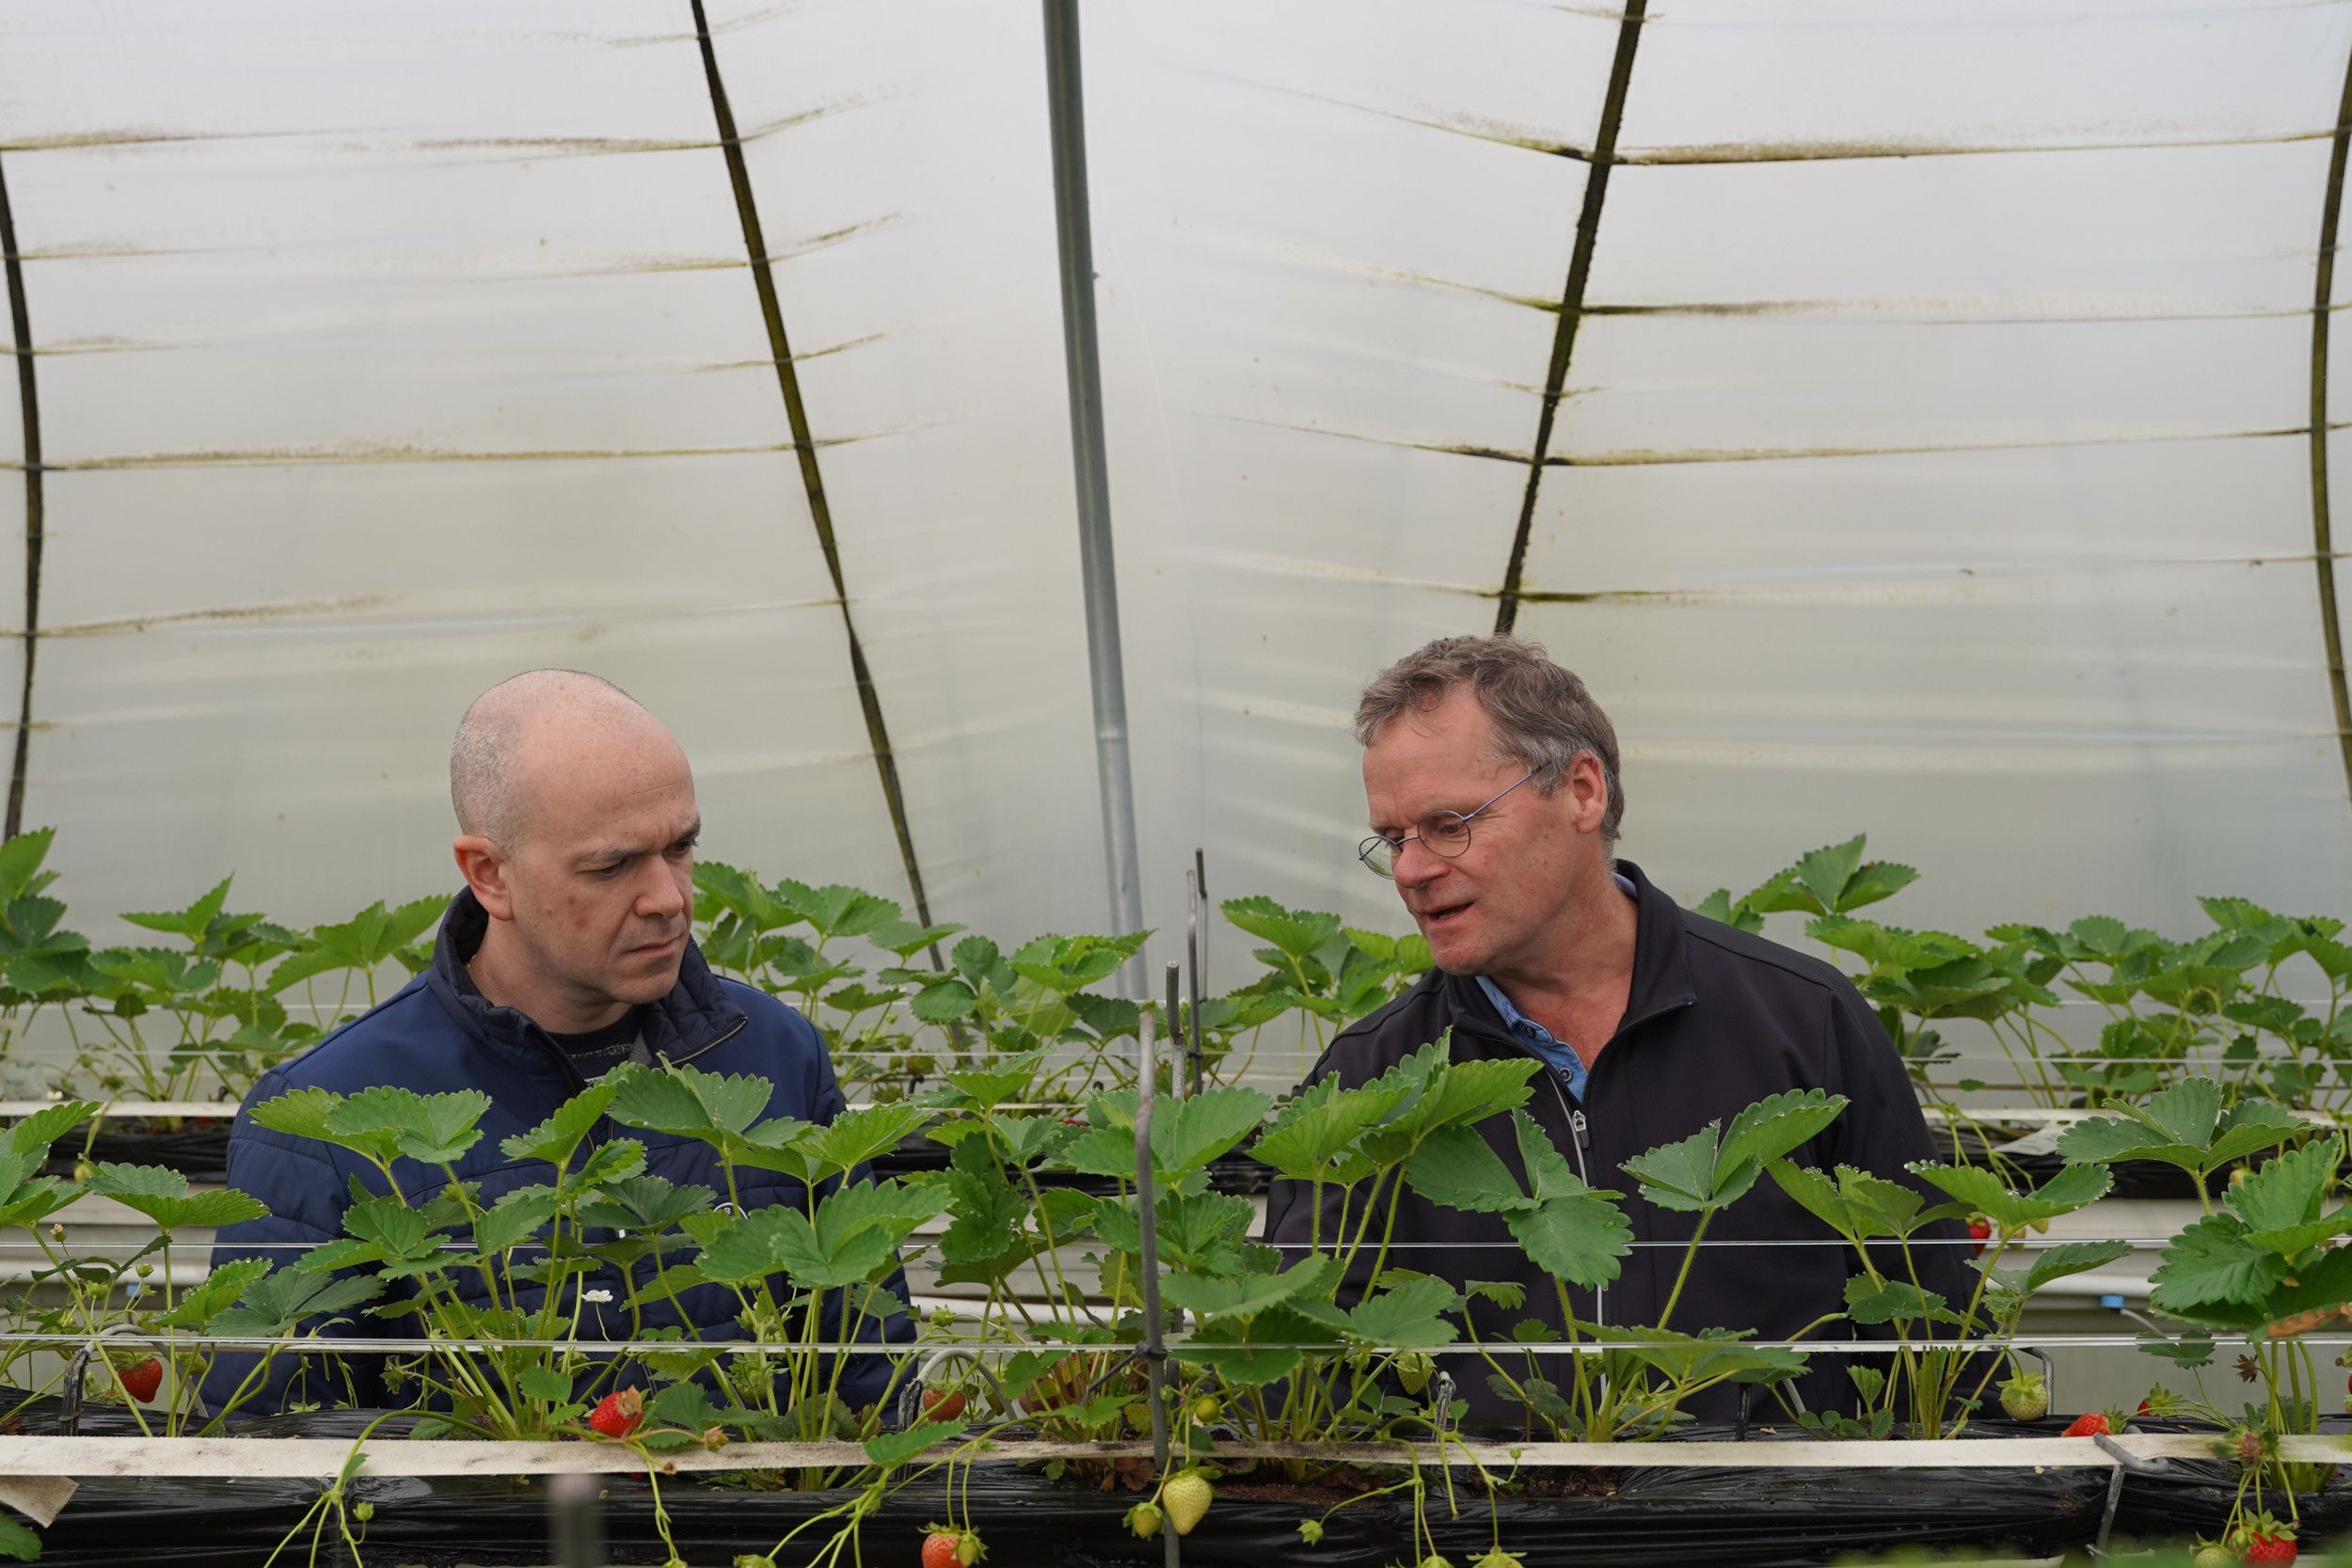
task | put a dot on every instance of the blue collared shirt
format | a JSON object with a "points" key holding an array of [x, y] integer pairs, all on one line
{"points": [[1561, 1056]]}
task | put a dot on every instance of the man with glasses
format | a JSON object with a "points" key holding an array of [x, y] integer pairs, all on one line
{"points": [[1491, 780]]}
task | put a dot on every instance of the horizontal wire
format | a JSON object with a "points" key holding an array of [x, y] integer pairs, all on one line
{"points": [[28, 1249], [385, 1345]]}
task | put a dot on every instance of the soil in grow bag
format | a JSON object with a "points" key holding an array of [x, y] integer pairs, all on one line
{"points": [[2134, 1178], [1236, 1174], [198, 1151]]}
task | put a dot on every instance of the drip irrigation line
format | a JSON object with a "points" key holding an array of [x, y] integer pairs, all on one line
{"points": [[1604, 156], [812, 477], [2322, 524], [28, 407]]}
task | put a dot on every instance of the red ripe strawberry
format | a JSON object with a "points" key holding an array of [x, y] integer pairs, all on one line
{"points": [[2269, 1548], [1982, 1229], [944, 1546], [142, 1379], [618, 1413], [2093, 1423], [941, 1405]]}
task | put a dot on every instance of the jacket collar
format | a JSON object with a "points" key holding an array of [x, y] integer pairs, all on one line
{"points": [[695, 1015], [1662, 953], [1661, 962]]}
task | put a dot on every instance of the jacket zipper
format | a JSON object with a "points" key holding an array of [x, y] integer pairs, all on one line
{"points": [[1580, 1131], [602, 1132], [713, 1043]]}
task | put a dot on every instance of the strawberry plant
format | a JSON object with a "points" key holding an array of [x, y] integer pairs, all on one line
{"points": [[2261, 1263], [1933, 1390], [1634, 1389]]}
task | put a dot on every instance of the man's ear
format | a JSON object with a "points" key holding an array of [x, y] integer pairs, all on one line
{"points": [[484, 865], [1587, 789]]}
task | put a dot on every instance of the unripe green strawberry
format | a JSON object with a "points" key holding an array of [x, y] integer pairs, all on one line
{"points": [[1186, 1499], [1413, 1369], [2025, 1397], [2212, 1554], [1144, 1519], [1498, 1558]]}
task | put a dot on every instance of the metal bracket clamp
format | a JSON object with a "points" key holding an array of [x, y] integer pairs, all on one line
{"points": [[926, 1374], [77, 1374], [2126, 1463]]}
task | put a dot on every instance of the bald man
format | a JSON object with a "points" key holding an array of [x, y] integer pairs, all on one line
{"points": [[566, 954]]}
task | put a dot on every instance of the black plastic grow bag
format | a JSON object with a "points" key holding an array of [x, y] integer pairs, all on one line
{"points": [[198, 1151], [1649, 1515], [2193, 1497], [1236, 1174], [2138, 1179]]}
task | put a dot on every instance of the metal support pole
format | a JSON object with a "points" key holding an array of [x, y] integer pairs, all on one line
{"points": [[1147, 1213], [1074, 227], [576, 1521]]}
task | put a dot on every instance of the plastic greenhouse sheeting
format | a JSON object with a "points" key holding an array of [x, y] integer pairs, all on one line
{"points": [[1932, 453]]}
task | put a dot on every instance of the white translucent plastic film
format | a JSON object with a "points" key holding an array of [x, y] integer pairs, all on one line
{"points": [[1932, 458]]}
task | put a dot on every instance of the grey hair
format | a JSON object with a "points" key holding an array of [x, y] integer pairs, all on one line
{"points": [[1543, 717], [484, 757]]}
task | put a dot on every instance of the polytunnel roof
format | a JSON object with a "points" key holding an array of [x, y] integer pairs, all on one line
{"points": [[1931, 452]]}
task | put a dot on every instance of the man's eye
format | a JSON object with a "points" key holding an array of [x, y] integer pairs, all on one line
{"points": [[612, 870]]}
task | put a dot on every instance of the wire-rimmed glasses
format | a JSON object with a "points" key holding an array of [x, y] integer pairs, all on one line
{"points": [[1446, 834]]}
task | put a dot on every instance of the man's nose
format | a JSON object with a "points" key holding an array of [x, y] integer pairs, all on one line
{"points": [[1416, 866], [662, 898]]}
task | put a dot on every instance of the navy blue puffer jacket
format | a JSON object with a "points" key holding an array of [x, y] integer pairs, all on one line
{"points": [[439, 1034]]}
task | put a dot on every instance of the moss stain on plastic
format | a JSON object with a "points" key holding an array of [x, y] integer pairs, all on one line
{"points": [[1401, 275], [559, 147], [832, 106], [1449, 448], [229, 615], [835, 236], [67, 141], [1834, 151], [1638, 458], [1477, 127], [359, 452]]}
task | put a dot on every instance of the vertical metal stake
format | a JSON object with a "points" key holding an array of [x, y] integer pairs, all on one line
{"points": [[1175, 1028], [1195, 954], [1082, 356], [1154, 1346], [575, 1521]]}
